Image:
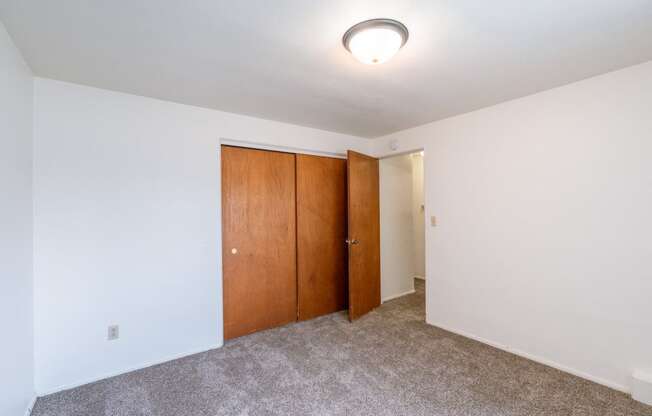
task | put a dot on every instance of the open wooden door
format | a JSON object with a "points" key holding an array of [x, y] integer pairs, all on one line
{"points": [[364, 234]]}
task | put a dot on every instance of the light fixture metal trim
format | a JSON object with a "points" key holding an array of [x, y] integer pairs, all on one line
{"points": [[391, 24]]}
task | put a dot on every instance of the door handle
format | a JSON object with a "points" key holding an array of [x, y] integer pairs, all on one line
{"points": [[351, 241]]}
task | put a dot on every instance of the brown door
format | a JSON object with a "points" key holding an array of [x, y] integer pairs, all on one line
{"points": [[259, 240], [364, 234], [321, 233]]}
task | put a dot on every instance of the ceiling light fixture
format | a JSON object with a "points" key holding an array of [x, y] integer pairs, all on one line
{"points": [[375, 41]]}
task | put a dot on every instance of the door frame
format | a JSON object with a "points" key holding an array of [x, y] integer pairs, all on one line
{"points": [[408, 151], [218, 232], [299, 150], [278, 148]]}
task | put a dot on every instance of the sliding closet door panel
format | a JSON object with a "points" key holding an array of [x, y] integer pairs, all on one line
{"points": [[258, 240], [321, 235]]}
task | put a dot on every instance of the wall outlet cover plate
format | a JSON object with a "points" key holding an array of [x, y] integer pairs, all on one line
{"points": [[113, 333]]}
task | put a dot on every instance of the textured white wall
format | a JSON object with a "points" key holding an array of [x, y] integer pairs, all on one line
{"points": [[127, 226], [16, 290], [418, 216], [396, 227], [543, 242]]}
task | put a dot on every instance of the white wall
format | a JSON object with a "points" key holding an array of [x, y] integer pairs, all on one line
{"points": [[127, 226], [418, 217], [16, 294], [543, 241], [396, 227]]}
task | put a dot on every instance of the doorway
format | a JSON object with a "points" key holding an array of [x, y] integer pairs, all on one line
{"points": [[402, 219]]}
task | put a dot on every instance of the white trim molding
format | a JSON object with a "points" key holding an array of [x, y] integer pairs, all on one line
{"points": [[642, 387], [388, 298], [30, 406], [536, 358], [127, 370], [278, 148]]}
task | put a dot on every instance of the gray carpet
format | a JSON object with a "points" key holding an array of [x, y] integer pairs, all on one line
{"points": [[387, 363]]}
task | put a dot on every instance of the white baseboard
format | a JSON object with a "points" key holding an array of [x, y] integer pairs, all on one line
{"points": [[540, 360], [46, 392], [409, 292], [420, 277], [642, 387], [30, 406]]}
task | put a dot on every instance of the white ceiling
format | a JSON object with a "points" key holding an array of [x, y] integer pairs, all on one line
{"points": [[283, 59]]}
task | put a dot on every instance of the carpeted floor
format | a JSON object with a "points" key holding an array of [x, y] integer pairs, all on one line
{"points": [[387, 363]]}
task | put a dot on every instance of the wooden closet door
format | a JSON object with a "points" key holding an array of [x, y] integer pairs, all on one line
{"points": [[321, 235], [258, 240]]}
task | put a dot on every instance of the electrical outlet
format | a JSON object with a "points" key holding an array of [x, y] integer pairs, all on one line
{"points": [[114, 332]]}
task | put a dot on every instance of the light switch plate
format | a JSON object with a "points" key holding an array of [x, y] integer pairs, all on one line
{"points": [[433, 221]]}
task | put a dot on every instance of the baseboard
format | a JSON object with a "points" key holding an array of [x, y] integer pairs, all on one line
{"points": [[46, 392], [30, 406], [537, 359], [420, 277], [409, 292], [642, 387]]}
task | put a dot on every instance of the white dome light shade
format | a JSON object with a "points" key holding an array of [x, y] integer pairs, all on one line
{"points": [[375, 41], [375, 45]]}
